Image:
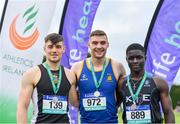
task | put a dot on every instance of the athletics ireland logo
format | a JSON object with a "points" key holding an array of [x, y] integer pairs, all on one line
{"points": [[24, 42]]}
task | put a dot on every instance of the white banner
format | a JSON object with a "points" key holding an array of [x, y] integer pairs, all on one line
{"points": [[25, 25]]}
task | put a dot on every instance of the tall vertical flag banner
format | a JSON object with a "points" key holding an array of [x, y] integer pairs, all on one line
{"points": [[164, 42], [76, 27], [26, 23]]}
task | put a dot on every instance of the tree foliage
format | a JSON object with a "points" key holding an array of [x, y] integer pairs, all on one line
{"points": [[175, 95]]}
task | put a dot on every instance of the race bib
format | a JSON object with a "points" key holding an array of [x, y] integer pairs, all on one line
{"points": [[141, 114], [54, 104], [92, 103]]}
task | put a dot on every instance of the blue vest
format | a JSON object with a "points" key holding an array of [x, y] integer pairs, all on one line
{"points": [[108, 88]]}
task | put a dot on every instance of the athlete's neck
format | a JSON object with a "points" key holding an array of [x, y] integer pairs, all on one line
{"points": [[137, 75], [53, 66], [98, 62]]}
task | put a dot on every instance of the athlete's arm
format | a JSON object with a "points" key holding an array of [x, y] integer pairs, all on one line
{"points": [[120, 75], [26, 90], [119, 88], [73, 94], [73, 98], [165, 100]]}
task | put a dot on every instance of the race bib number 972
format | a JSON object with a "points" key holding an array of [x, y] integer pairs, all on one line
{"points": [[94, 103]]}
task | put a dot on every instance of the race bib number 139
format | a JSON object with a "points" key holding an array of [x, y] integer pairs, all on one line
{"points": [[54, 104]]}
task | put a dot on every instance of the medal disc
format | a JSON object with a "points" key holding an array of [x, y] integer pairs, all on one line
{"points": [[55, 99], [96, 93], [133, 106]]}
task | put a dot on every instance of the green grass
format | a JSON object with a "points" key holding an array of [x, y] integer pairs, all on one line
{"points": [[177, 117]]}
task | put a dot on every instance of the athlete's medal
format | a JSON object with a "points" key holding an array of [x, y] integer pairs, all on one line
{"points": [[55, 99], [97, 93], [133, 106], [135, 96], [97, 83]]}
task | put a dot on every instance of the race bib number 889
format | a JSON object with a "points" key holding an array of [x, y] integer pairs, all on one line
{"points": [[141, 115]]}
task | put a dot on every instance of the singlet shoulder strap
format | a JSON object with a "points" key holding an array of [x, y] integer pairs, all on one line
{"points": [[110, 61], [81, 69], [42, 70], [41, 67]]}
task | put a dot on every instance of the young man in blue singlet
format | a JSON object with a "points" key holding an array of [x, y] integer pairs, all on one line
{"points": [[97, 81], [141, 92], [48, 85]]}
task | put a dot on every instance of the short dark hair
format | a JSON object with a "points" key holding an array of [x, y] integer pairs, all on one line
{"points": [[98, 33], [54, 38], [135, 46]]}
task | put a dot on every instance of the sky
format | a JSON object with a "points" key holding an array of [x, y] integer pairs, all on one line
{"points": [[124, 21]]}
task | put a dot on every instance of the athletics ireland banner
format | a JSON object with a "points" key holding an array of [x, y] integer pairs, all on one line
{"points": [[26, 22], [163, 52], [76, 28]]}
